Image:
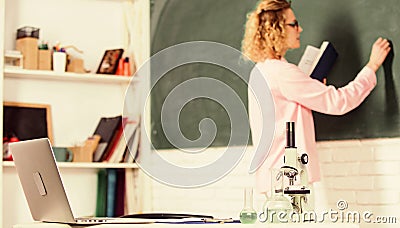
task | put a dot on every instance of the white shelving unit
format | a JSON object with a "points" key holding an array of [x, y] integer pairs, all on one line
{"points": [[88, 165], [2, 29], [77, 101], [67, 76]]}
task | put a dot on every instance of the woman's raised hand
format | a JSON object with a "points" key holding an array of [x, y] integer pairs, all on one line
{"points": [[380, 50]]}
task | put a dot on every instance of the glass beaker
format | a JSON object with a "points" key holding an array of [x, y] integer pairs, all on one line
{"points": [[277, 207], [248, 215]]}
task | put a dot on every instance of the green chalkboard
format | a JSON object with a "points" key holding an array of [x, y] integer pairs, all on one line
{"points": [[177, 21], [352, 27]]}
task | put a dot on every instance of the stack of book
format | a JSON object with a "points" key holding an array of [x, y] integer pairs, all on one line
{"points": [[119, 140], [116, 192]]}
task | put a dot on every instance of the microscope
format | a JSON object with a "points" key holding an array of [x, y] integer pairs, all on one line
{"points": [[293, 168]]}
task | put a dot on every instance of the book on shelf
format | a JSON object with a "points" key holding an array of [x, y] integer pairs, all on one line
{"points": [[101, 198], [132, 149], [111, 196], [317, 62], [132, 193], [120, 194], [111, 192], [118, 135], [130, 126], [107, 128]]}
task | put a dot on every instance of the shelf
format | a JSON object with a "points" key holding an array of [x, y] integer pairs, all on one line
{"points": [[88, 165], [67, 76]]}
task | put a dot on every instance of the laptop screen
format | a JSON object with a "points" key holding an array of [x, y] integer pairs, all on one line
{"points": [[41, 181]]}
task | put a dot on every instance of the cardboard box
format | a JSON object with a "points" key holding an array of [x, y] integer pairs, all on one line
{"points": [[28, 46], [44, 60], [80, 154], [75, 65], [85, 152]]}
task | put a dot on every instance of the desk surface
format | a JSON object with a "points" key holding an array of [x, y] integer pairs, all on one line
{"points": [[226, 225]]}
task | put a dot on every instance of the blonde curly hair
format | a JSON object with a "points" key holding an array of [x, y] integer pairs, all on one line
{"points": [[265, 32]]}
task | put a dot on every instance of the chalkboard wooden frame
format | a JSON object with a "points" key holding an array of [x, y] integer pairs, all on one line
{"points": [[9, 107]]}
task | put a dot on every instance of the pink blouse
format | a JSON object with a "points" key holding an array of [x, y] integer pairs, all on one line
{"points": [[295, 95]]}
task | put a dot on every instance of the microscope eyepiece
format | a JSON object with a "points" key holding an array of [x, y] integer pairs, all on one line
{"points": [[290, 135]]}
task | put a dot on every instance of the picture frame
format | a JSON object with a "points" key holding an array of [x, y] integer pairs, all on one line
{"points": [[110, 60], [27, 120]]}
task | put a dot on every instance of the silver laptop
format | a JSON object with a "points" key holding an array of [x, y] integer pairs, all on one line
{"points": [[43, 187]]}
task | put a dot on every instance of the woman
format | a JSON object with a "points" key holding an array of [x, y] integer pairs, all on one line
{"points": [[271, 30]]}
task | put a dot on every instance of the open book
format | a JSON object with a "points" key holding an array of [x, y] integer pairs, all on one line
{"points": [[317, 62]]}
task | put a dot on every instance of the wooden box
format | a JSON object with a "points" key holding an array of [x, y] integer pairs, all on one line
{"points": [[80, 154], [28, 46], [44, 60]]}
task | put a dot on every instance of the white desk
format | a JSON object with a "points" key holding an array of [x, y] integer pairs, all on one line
{"points": [[226, 225]]}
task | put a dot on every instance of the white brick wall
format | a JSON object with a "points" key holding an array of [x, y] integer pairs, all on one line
{"points": [[365, 173]]}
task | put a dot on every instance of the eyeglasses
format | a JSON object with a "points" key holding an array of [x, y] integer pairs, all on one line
{"points": [[294, 24]]}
